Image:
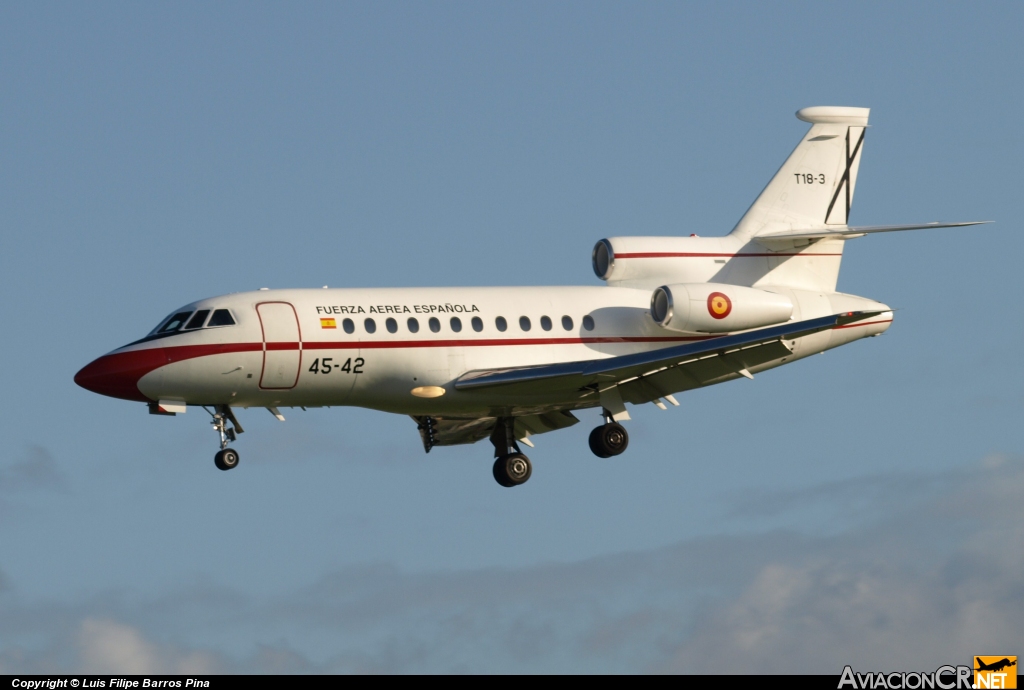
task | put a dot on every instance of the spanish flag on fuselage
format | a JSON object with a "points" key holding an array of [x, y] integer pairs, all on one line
{"points": [[328, 323]]}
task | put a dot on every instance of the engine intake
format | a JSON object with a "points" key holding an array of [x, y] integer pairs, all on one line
{"points": [[717, 308]]}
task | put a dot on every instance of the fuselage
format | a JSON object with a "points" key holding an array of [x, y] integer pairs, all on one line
{"points": [[400, 349]]}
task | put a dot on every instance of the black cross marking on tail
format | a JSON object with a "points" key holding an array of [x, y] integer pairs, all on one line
{"points": [[845, 181]]}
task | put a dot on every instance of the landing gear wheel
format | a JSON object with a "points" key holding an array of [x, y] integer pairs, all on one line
{"points": [[226, 459], [512, 470], [499, 473], [609, 440]]}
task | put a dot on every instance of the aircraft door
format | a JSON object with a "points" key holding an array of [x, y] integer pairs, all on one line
{"points": [[282, 345]]}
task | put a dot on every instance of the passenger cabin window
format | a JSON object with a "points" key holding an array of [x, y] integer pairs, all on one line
{"points": [[545, 323], [413, 324], [588, 322], [500, 323], [370, 325], [456, 324], [197, 320], [392, 325], [478, 324], [175, 322], [567, 323], [435, 325], [348, 326], [221, 317], [524, 323]]}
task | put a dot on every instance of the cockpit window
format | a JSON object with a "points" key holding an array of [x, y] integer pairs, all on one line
{"points": [[174, 323], [188, 321], [197, 319], [221, 317]]}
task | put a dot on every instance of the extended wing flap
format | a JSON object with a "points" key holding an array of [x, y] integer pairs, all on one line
{"points": [[700, 372], [443, 431], [451, 432]]}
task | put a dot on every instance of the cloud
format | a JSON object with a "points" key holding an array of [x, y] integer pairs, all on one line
{"points": [[931, 583], [107, 646], [932, 578], [38, 470]]}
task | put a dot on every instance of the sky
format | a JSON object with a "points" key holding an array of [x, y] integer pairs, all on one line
{"points": [[860, 507]]}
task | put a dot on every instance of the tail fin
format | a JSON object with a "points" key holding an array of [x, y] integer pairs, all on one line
{"points": [[814, 187]]}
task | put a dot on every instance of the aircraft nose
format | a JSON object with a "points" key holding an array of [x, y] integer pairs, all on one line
{"points": [[116, 375]]}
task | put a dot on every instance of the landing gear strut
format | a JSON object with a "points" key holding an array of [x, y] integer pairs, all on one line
{"points": [[511, 468], [609, 439], [227, 458]]}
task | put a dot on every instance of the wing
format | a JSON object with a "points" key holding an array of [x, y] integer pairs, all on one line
{"points": [[647, 376], [849, 233]]}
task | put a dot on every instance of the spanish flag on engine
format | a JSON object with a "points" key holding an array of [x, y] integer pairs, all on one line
{"points": [[328, 323]]}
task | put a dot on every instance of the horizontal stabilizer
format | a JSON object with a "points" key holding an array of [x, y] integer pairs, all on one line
{"points": [[851, 232]]}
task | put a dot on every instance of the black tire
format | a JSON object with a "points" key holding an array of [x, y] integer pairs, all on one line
{"points": [[226, 459], [595, 443], [609, 440], [512, 470], [499, 473]]}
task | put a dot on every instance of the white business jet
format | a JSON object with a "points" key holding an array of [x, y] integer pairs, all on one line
{"points": [[507, 364]]}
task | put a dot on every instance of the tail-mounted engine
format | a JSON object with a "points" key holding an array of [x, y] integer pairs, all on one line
{"points": [[647, 262], [717, 308]]}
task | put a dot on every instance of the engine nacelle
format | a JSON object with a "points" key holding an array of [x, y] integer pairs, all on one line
{"points": [[647, 262], [717, 308]]}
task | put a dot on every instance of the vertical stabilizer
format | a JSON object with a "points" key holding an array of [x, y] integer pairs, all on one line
{"points": [[814, 187]]}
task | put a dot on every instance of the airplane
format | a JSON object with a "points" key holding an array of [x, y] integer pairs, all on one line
{"points": [[510, 363], [994, 666]]}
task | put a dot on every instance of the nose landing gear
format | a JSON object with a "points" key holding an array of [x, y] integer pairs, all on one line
{"points": [[226, 458], [609, 439], [511, 468]]}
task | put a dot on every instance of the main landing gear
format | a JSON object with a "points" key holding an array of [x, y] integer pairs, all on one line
{"points": [[511, 468], [609, 439], [226, 458]]}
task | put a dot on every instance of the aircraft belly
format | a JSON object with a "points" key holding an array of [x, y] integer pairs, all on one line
{"points": [[873, 327]]}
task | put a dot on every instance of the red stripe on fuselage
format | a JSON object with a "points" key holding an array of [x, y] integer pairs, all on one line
{"points": [[492, 342], [281, 346], [675, 255], [858, 325], [117, 375]]}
